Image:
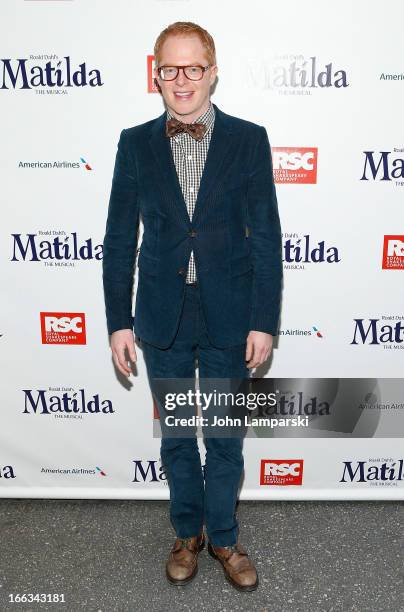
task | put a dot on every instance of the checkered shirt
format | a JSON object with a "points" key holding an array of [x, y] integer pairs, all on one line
{"points": [[189, 158]]}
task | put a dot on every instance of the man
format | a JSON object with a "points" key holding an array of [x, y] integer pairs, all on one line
{"points": [[210, 272]]}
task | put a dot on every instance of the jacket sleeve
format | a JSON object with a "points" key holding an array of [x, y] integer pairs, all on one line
{"points": [[120, 240], [266, 240]]}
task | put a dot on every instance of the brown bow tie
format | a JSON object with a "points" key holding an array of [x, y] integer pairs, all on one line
{"points": [[196, 130]]}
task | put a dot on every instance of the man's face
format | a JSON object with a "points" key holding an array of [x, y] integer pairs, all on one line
{"points": [[194, 101]]}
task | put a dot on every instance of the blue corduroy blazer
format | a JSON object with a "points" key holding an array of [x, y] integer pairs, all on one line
{"points": [[235, 234]]}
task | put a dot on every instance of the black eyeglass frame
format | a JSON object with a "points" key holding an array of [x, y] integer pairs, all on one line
{"points": [[204, 69]]}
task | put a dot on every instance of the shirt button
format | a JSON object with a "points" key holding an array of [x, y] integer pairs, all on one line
{"points": [[189, 156], [191, 189]]}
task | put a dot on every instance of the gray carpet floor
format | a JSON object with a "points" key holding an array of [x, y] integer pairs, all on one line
{"points": [[109, 555]]}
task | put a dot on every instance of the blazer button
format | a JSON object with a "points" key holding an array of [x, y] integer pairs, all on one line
{"points": [[182, 271], [192, 233]]}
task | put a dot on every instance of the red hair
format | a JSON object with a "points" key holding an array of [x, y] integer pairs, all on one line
{"points": [[186, 28]]}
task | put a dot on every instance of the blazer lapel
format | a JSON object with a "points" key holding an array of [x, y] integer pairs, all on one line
{"points": [[219, 152], [219, 149], [166, 170]]}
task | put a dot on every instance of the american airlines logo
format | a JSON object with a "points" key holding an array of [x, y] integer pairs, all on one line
{"points": [[54, 165]]}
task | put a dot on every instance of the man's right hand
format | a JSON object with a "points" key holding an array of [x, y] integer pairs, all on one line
{"points": [[120, 340]]}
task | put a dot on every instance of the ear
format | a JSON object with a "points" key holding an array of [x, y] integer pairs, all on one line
{"points": [[156, 79], [157, 84], [213, 73]]}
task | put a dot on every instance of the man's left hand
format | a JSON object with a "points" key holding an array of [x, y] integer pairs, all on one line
{"points": [[258, 349]]}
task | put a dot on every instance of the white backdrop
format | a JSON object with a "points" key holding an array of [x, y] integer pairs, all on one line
{"points": [[57, 150]]}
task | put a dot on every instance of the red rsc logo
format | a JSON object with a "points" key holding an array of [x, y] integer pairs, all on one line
{"points": [[63, 327], [281, 472], [295, 165], [151, 86], [393, 252]]}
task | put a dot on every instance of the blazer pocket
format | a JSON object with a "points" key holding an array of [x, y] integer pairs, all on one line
{"points": [[147, 264], [241, 265]]}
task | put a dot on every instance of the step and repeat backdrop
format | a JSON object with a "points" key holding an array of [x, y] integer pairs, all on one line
{"points": [[326, 81]]}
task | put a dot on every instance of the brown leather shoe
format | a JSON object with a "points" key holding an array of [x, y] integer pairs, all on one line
{"points": [[182, 564], [238, 568]]}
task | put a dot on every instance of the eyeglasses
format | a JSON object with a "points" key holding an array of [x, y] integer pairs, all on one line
{"points": [[193, 73]]}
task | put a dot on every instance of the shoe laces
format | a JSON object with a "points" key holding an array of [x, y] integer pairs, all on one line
{"points": [[185, 542], [235, 549]]}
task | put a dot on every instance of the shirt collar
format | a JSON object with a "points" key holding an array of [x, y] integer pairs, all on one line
{"points": [[207, 117]]}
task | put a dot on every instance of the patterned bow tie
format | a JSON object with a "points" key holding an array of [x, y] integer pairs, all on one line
{"points": [[196, 130]]}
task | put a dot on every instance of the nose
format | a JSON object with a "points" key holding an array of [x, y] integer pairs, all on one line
{"points": [[181, 78]]}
